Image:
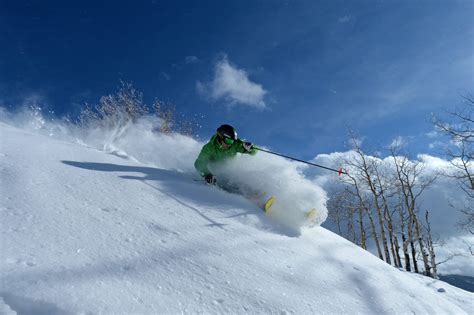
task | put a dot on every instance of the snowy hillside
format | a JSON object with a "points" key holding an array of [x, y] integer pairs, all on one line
{"points": [[87, 232]]}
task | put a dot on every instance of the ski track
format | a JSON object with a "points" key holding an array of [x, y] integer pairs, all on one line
{"points": [[84, 232]]}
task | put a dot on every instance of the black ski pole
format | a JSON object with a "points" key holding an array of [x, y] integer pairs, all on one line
{"points": [[340, 171]]}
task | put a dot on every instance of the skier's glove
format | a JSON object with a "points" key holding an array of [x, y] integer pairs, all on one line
{"points": [[248, 146], [210, 179]]}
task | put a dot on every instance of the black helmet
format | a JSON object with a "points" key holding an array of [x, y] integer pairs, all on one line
{"points": [[227, 131]]}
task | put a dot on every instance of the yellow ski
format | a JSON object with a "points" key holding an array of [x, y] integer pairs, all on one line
{"points": [[311, 214], [268, 204]]}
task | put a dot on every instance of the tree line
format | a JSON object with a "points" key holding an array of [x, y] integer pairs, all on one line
{"points": [[379, 201]]}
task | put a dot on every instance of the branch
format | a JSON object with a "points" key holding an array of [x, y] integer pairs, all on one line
{"points": [[450, 257]]}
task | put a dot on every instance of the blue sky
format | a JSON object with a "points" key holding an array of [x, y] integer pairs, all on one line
{"points": [[291, 75]]}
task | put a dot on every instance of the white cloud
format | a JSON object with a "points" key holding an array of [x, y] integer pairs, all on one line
{"points": [[233, 86], [433, 163]]}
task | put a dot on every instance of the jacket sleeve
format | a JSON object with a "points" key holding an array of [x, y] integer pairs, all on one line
{"points": [[240, 148], [203, 159]]}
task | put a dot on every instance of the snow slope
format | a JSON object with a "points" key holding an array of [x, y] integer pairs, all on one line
{"points": [[85, 232]]}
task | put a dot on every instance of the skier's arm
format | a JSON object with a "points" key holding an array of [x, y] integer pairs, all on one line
{"points": [[241, 149], [203, 159]]}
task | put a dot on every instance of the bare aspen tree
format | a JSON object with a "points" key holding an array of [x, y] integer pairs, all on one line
{"points": [[115, 112], [395, 245], [403, 231], [430, 245], [351, 231], [364, 204], [406, 207], [381, 202], [348, 209], [360, 210], [412, 185], [384, 187], [337, 208], [461, 131], [380, 210], [366, 168], [342, 211], [167, 115], [87, 115]]}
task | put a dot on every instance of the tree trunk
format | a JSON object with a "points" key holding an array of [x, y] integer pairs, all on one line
{"points": [[406, 255], [374, 234], [398, 260], [412, 245], [350, 228], [423, 251], [430, 244], [363, 235], [375, 194], [393, 238], [383, 236], [413, 256], [392, 247]]}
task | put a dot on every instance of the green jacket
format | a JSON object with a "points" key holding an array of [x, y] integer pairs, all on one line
{"points": [[213, 152]]}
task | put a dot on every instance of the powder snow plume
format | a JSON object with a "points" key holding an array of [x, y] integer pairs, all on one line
{"points": [[142, 142], [274, 176]]}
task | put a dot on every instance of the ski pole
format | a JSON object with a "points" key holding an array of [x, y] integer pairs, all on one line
{"points": [[340, 171]]}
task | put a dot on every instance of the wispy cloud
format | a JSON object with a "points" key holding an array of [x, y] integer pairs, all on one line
{"points": [[165, 76], [345, 19], [233, 86], [398, 142], [436, 144], [432, 134], [191, 59], [187, 61]]}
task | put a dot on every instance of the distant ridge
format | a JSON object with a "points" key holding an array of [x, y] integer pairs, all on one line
{"points": [[463, 282]]}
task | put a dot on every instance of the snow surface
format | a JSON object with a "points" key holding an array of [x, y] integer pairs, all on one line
{"points": [[84, 231]]}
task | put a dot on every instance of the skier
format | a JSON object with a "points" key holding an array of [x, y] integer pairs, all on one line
{"points": [[223, 145]]}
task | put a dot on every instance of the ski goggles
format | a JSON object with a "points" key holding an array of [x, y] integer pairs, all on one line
{"points": [[228, 141]]}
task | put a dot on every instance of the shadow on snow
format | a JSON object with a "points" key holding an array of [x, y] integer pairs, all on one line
{"points": [[184, 189]]}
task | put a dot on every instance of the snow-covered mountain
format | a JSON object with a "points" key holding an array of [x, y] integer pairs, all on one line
{"points": [[84, 231]]}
